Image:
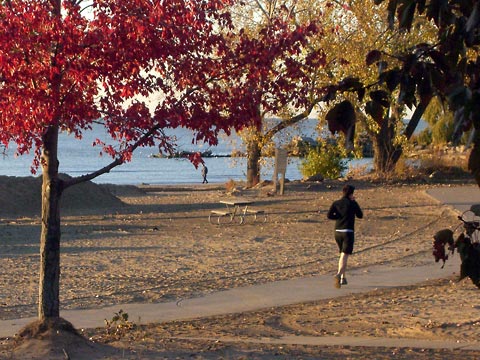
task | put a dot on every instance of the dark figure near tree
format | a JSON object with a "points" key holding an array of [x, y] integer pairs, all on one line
{"points": [[467, 246]]}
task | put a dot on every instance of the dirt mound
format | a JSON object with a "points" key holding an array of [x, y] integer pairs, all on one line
{"points": [[57, 339], [21, 196]]}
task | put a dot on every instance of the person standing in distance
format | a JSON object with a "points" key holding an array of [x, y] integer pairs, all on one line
{"points": [[344, 211], [204, 174]]}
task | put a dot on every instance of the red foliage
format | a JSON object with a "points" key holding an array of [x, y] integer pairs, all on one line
{"points": [[139, 67], [71, 66]]}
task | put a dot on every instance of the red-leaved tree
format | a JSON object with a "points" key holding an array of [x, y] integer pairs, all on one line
{"points": [[66, 64], [280, 80]]}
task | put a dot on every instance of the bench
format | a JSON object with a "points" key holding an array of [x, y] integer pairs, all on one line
{"points": [[257, 213], [236, 209], [219, 214]]}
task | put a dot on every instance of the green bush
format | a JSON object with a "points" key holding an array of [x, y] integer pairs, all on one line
{"points": [[326, 159], [442, 131]]}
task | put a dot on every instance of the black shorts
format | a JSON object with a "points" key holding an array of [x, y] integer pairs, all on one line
{"points": [[345, 241]]}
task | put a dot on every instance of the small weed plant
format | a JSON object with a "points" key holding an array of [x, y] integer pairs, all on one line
{"points": [[230, 186], [119, 325]]}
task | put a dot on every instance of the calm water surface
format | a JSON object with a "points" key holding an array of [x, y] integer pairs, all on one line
{"points": [[79, 157]]}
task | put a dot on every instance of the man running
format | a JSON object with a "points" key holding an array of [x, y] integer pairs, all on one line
{"points": [[344, 211]]}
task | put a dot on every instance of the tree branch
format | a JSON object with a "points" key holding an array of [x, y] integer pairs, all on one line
{"points": [[262, 9], [409, 130], [118, 161], [93, 175], [413, 123], [288, 122]]}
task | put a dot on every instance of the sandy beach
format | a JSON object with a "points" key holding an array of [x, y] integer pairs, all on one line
{"points": [[123, 244]]}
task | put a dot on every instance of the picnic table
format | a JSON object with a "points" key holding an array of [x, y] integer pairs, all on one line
{"points": [[236, 209]]}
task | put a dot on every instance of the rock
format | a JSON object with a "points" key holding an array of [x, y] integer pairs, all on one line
{"points": [[317, 177]]}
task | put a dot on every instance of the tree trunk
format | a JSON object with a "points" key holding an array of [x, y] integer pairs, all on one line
{"points": [[384, 147], [52, 187], [253, 162]]}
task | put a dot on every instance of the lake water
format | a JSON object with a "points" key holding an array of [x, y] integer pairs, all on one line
{"points": [[79, 157]]}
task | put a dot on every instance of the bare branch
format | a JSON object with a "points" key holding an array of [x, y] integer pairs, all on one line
{"points": [[262, 9], [93, 175], [288, 122]]}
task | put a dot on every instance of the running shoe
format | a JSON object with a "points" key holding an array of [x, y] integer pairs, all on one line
{"points": [[337, 281]]}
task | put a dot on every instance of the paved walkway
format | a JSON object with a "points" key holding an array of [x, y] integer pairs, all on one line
{"points": [[286, 292]]}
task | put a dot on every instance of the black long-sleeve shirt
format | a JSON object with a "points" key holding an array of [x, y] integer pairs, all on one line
{"points": [[344, 212]]}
